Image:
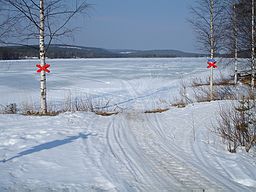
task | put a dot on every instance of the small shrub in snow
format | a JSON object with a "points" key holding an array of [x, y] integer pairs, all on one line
{"points": [[99, 106], [28, 108], [237, 125], [183, 100], [179, 103], [9, 109], [223, 89], [203, 93], [31, 109], [197, 82]]}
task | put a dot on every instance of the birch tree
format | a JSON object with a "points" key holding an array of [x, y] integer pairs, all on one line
{"points": [[26, 21], [212, 40], [235, 40], [253, 45], [208, 18], [231, 34]]}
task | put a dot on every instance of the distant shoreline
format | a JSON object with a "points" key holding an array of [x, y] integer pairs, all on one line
{"points": [[73, 52]]}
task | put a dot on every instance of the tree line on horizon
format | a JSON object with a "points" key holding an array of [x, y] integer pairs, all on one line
{"points": [[25, 52], [69, 51]]}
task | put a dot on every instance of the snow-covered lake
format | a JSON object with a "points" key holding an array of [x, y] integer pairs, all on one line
{"points": [[118, 80], [132, 151]]}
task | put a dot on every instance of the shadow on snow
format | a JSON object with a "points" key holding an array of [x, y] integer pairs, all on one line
{"points": [[48, 145]]}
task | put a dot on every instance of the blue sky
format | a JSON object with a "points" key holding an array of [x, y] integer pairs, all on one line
{"points": [[137, 24]]}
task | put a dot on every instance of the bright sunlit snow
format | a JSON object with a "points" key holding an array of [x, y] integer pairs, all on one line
{"points": [[177, 150]]}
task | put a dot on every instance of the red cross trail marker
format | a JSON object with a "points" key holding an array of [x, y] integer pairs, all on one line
{"points": [[211, 63], [43, 68]]}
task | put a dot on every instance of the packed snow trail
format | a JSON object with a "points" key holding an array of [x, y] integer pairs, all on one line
{"points": [[126, 152], [150, 162]]}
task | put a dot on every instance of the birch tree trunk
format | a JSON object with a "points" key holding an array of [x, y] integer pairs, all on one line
{"points": [[212, 47], [43, 103], [253, 46], [235, 42]]}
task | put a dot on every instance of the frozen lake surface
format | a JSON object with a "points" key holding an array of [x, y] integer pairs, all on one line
{"points": [[118, 80]]}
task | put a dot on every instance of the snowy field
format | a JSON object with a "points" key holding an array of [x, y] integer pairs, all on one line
{"points": [[132, 151], [126, 82]]}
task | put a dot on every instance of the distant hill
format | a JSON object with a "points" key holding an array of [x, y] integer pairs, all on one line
{"points": [[71, 51], [155, 53]]}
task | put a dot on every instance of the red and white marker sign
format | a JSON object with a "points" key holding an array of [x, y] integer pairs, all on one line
{"points": [[211, 63], [43, 68]]}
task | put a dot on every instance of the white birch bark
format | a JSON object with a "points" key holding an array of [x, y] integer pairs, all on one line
{"points": [[253, 46], [212, 47], [235, 43], [43, 103]]}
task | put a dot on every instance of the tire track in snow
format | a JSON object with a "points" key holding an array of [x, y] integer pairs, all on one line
{"points": [[113, 144], [206, 162], [217, 179], [135, 95], [157, 165], [130, 89], [202, 163], [151, 174], [185, 174], [92, 150], [146, 175], [215, 162]]}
